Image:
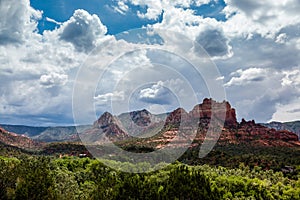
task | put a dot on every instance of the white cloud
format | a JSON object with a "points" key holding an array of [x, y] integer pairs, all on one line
{"points": [[152, 92], [281, 38], [271, 91], [53, 21], [123, 66], [121, 8], [245, 18], [244, 77], [287, 112], [266, 18], [157, 109], [154, 8], [29, 98], [37, 71], [82, 30], [298, 44], [18, 21], [183, 21], [53, 79], [215, 43], [291, 78], [220, 78], [36, 74], [152, 13], [208, 32], [156, 94], [104, 98]]}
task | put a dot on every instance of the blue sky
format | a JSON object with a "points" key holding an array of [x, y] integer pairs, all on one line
{"points": [[43, 45], [116, 22]]}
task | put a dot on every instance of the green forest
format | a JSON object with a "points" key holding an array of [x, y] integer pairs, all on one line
{"points": [[49, 177]]}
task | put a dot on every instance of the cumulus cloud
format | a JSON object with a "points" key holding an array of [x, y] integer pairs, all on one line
{"points": [[259, 93], [266, 18], [37, 71], [261, 53], [281, 38], [214, 42], [220, 78], [192, 2], [157, 94], [36, 74], [123, 67], [122, 7], [53, 79], [154, 8], [298, 43], [111, 96], [82, 30], [184, 21], [287, 108], [18, 21], [208, 32], [28, 102], [287, 112], [291, 78], [244, 77]]}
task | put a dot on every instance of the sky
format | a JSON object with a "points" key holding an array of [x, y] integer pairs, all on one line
{"points": [[253, 46]]}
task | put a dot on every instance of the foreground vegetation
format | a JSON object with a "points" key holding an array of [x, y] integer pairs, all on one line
{"points": [[44, 177], [227, 172]]}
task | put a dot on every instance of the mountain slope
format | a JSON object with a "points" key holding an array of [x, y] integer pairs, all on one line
{"points": [[233, 132], [143, 127], [61, 133], [29, 131], [47, 134], [289, 126], [180, 122], [107, 125], [19, 141]]}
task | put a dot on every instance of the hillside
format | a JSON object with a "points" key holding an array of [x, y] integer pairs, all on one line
{"points": [[143, 131], [29, 131], [289, 126], [47, 134], [183, 123], [20, 141]]}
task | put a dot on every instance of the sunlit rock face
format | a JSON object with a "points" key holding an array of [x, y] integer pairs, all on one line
{"points": [[208, 114]]}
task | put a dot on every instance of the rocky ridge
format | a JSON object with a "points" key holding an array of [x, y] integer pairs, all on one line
{"points": [[289, 126], [219, 116], [19, 141]]}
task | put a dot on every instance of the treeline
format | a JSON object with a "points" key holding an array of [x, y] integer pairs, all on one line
{"points": [[231, 156], [40, 177]]}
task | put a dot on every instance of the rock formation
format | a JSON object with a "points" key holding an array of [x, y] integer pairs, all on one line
{"points": [[18, 140], [218, 116]]}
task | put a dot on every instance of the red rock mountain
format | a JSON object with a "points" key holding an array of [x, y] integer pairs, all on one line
{"points": [[221, 115], [222, 111], [141, 118], [234, 132], [256, 134], [107, 125], [18, 140]]}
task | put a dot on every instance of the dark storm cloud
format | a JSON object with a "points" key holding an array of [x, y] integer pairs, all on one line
{"points": [[16, 19], [83, 30], [214, 42]]}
